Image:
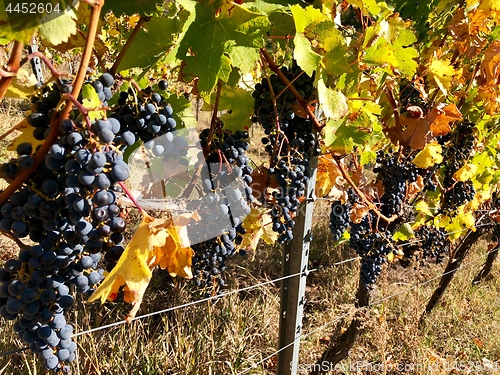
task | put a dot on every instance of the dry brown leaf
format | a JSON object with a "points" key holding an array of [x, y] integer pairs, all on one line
{"points": [[358, 212], [417, 132], [415, 187], [441, 116], [328, 177]]}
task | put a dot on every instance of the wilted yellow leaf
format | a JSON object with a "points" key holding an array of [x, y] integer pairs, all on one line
{"points": [[258, 224], [429, 155], [157, 242], [131, 269], [328, 175], [25, 136], [466, 172]]}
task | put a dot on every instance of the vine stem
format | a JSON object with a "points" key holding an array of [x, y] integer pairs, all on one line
{"points": [[394, 105], [277, 143], [58, 116], [371, 206], [129, 194], [127, 45], [12, 67], [19, 243], [11, 130], [81, 109], [42, 57], [275, 68]]}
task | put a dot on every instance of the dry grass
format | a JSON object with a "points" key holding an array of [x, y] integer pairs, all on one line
{"points": [[238, 331]]}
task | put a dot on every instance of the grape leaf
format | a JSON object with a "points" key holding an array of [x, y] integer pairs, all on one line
{"points": [[183, 111], [429, 155], [59, 29], [304, 17], [25, 136], [92, 103], [306, 58], [215, 32], [78, 38], [237, 105], [441, 116], [367, 6], [444, 74], [6, 32], [23, 84], [388, 43], [120, 7], [404, 233], [152, 42], [157, 242], [258, 225], [328, 176], [334, 103], [466, 172]]}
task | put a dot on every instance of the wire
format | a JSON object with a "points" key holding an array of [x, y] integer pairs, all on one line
{"points": [[303, 273], [306, 272], [376, 302]]}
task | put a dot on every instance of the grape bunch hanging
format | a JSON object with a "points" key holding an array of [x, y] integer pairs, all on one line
{"points": [[68, 208], [290, 142]]}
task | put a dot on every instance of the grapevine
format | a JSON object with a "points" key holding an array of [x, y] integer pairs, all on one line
{"points": [[396, 123]]}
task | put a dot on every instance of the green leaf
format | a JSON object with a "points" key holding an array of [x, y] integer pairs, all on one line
{"points": [[306, 58], [121, 7], [183, 111], [238, 104], [60, 29], [333, 102], [92, 103], [152, 42], [215, 32], [404, 233], [387, 44], [304, 17], [343, 138]]}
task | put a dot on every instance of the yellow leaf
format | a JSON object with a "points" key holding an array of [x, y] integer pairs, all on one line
{"points": [[157, 242], [132, 268], [465, 173], [22, 85], [429, 155], [327, 176], [25, 136], [444, 74], [423, 207], [258, 224]]}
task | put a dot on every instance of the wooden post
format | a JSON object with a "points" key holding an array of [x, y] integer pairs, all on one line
{"points": [[295, 260]]}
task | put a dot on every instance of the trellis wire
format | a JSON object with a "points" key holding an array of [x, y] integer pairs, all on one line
{"points": [[306, 272], [376, 302]]}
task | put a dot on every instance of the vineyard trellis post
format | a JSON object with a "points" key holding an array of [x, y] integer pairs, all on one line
{"points": [[36, 65], [295, 260]]}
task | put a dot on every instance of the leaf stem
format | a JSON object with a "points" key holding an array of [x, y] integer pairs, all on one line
{"points": [[59, 116], [127, 45], [19, 243], [12, 67], [370, 205], [129, 194], [42, 57], [275, 68], [11, 130]]}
